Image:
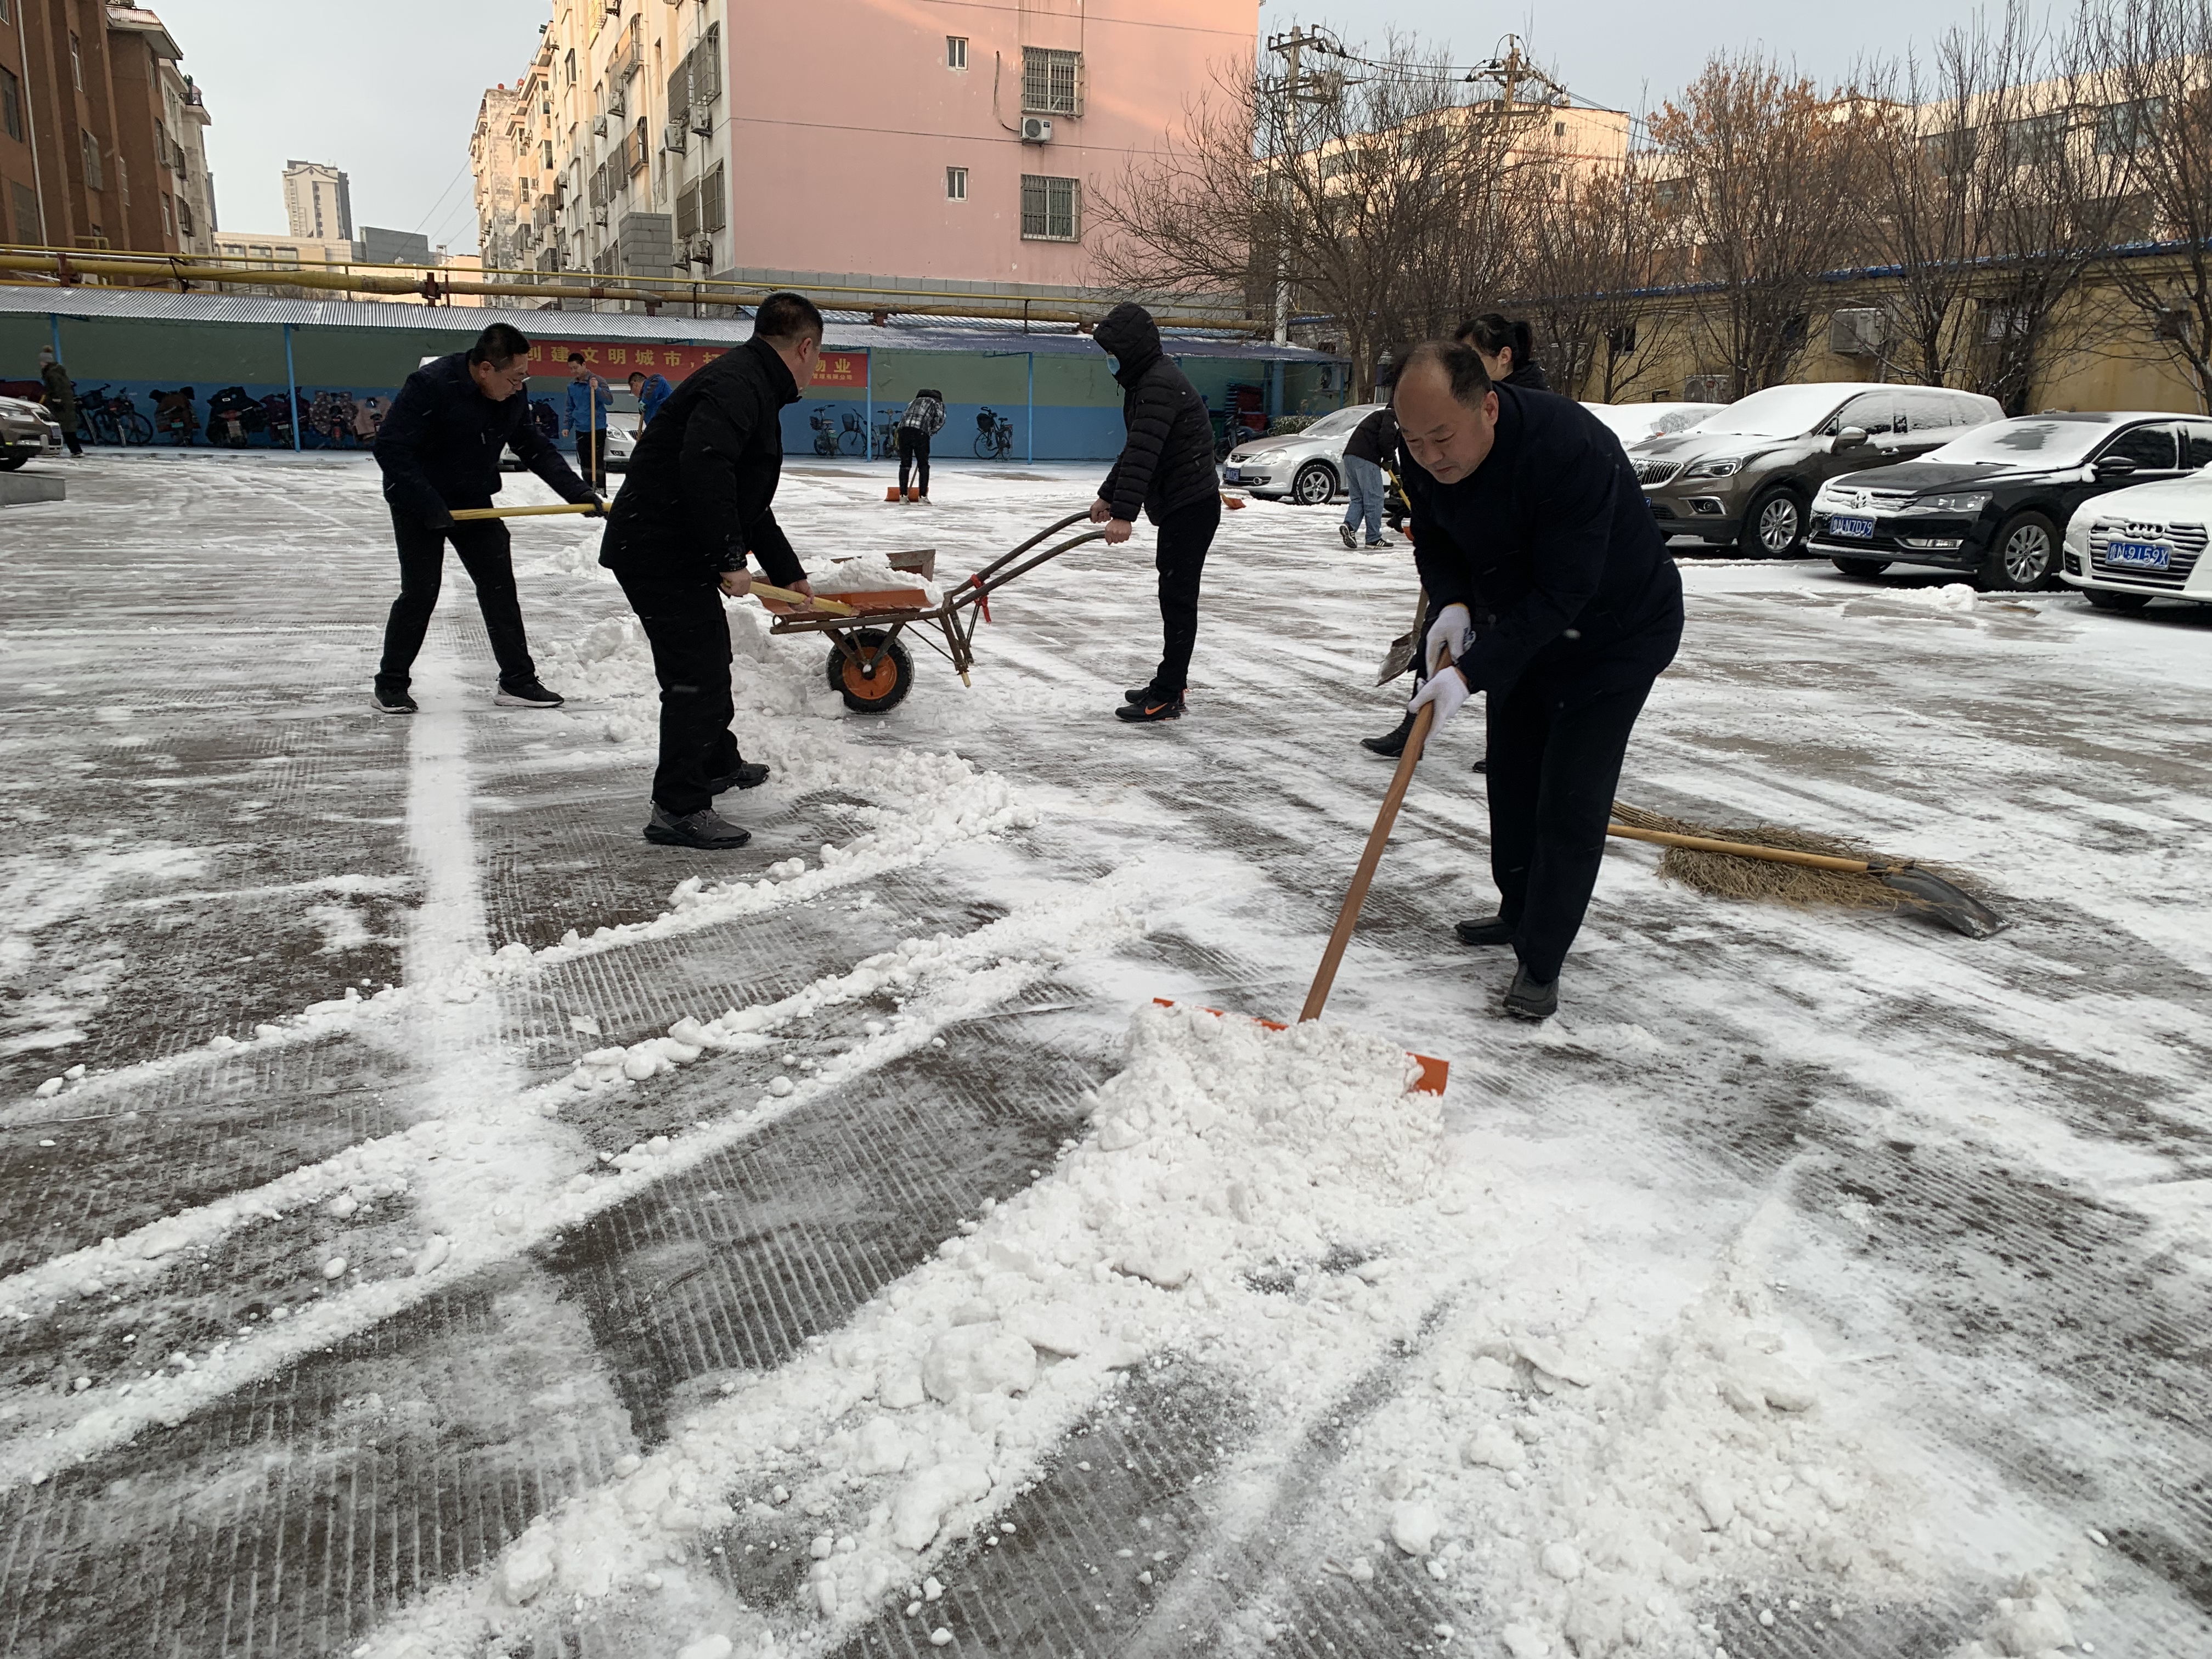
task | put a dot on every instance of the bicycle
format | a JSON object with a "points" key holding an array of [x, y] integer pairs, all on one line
{"points": [[114, 420], [843, 434], [994, 436]]}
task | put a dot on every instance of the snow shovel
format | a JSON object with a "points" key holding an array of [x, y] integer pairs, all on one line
{"points": [[1810, 875], [1408, 645]]}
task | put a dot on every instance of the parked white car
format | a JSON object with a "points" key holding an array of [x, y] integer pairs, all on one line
{"points": [[2146, 542], [1633, 423], [1307, 465], [28, 431]]}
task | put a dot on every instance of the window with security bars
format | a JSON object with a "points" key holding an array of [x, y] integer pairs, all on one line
{"points": [[89, 146], [639, 147], [1051, 209], [714, 208], [687, 212], [1052, 82], [11, 104]]}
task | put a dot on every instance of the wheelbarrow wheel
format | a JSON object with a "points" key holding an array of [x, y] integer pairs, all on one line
{"points": [[875, 692]]}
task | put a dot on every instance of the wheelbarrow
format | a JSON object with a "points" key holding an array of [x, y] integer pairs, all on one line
{"points": [[869, 664]]}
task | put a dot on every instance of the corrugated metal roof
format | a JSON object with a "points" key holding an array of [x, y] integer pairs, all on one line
{"points": [[847, 331]]}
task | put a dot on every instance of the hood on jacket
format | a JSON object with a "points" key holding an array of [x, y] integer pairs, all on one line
{"points": [[1133, 337]]}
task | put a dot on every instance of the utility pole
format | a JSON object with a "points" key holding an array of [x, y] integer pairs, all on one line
{"points": [[1292, 48]]}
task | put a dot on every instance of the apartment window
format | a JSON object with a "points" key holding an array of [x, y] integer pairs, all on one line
{"points": [[185, 217], [76, 65], [1050, 208], [569, 63], [640, 146], [2124, 128], [714, 209], [545, 154], [956, 51], [687, 212], [1052, 82], [168, 228], [11, 101], [93, 178], [956, 183]]}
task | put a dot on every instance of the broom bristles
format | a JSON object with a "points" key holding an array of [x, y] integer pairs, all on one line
{"points": [[1725, 875]]}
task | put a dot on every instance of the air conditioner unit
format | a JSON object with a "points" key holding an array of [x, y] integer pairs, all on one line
{"points": [[700, 251], [674, 137], [599, 126], [1858, 331], [702, 119], [615, 104], [1035, 129]]}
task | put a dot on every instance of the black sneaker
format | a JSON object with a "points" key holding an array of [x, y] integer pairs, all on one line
{"points": [[1392, 744], [1154, 708], [1142, 694], [749, 775], [706, 828], [1488, 930], [533, 696], [392, 702], [1350, 540], [1482, 765], [1528, 999]]}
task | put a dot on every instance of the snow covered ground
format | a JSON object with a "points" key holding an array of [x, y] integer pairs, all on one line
{"points": [[434, 1222]]}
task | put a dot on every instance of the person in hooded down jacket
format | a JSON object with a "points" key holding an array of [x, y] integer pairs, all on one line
{"points": [[1166, 469]]}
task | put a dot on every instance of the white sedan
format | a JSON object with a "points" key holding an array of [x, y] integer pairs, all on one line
{"points": [[2130, 546], [1634, 423]]}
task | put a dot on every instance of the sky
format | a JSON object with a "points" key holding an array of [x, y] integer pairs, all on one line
{"points": [[388, 92]]}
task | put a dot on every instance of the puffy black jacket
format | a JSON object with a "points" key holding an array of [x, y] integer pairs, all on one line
{"points": [[1374, 439], [701, 490], [439, 446], [1167, 459], [1529, 377], [1550, 536]]}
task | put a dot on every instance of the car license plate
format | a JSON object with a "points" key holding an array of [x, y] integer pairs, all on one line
{"points": [[1840, 524], [1229, 475], [2138, 556]]}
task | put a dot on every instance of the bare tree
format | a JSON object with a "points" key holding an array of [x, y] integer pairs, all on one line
{"points": [[1763, 165], [1359, 192], [1591, 250], [2151, 60]]}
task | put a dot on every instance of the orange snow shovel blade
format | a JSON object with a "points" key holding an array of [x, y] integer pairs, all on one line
{"points": [[1434, 1072]]}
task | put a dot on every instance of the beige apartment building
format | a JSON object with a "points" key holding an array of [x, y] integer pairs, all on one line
{"points": [[318, 202]]}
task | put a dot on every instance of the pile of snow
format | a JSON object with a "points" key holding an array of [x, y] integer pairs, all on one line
{"points": [[870, 573], [1956, 596]]}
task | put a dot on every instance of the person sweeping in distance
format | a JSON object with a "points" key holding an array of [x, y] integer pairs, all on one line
{"points": [[700, 494], [923, 420], [439, 449], [1525, 507], [1166, 469]]}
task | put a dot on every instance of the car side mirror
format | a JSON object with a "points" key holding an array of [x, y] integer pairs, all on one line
{"points": [[2114, 466], [1851, 437]]}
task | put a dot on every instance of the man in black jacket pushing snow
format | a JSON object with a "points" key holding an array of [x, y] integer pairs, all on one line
{"points": [[700, 494], [1166, 469], [1525, 507], [439, 449]]}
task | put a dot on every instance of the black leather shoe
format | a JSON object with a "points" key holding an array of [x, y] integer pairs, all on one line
{"points": [[1168, 708], [1488, 930], [1528, 999], [1483, 765], [1391, 743], [749, 775]]}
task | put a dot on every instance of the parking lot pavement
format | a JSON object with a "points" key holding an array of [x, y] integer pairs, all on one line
{"points": [[434, 1220]]}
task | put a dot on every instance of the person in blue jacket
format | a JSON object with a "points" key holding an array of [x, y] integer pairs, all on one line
{"points": [[1526, 510], [588, 402], [651, 390]]}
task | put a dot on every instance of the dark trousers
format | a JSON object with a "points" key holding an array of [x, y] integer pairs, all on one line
{"points": [[482, 547], [592, 457], [1185, 535], [913, 452], [69, 438], [1553, 767], [691, 639]]}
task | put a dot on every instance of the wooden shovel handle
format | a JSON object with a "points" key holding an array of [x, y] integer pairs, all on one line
{"points": [[1743, 849], [1363, 877], [467, 513]]}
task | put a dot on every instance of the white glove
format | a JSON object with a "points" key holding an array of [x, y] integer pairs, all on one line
{"points": [[1447, 688], [1453, 630]]}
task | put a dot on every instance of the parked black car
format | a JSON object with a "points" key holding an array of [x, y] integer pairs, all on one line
{"points": [[1994, 503]]}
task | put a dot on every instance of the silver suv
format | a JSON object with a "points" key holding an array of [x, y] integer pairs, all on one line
{"points": [[28, 431], [1307, 465], [1746, 475]]}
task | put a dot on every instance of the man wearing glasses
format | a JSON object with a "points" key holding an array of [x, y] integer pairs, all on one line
{"points": [[440, 449]]}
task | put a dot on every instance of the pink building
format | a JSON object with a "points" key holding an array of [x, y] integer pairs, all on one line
{"points": [[908, 143], [933, 141]]}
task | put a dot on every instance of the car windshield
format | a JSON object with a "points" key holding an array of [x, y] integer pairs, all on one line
{"points": [[1780, 411], [1331, 426], [2027, 440]]}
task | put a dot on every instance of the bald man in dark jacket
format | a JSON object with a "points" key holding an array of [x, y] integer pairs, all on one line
{"points": [[1525, 509], [1165, 469]]}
